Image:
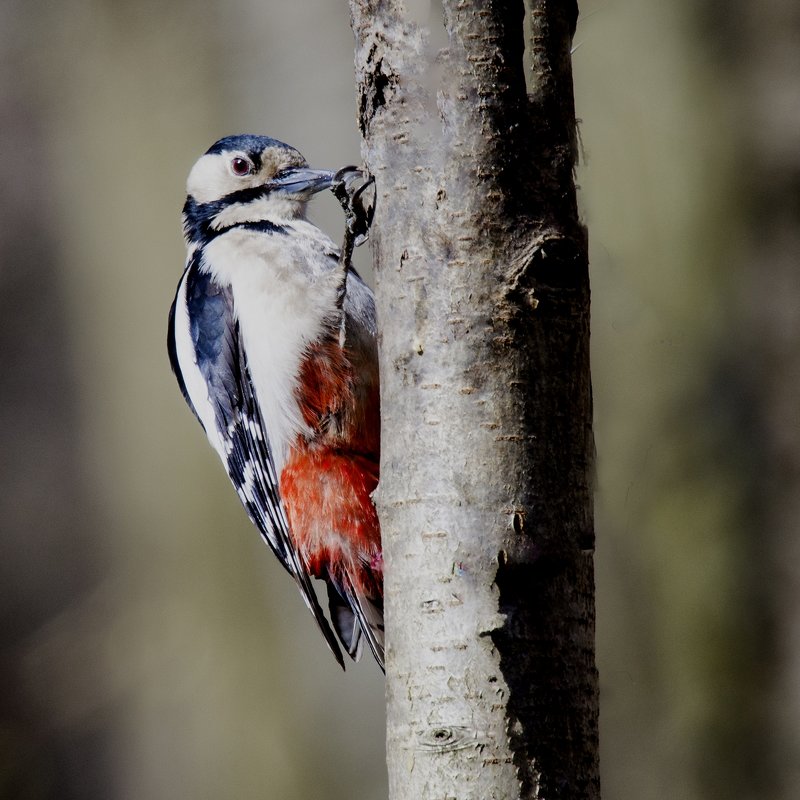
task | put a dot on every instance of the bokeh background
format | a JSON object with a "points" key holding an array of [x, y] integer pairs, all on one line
{"points": [[150, 647]]}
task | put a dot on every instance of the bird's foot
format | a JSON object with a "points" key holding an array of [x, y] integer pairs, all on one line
{"points": [[355, 191]]}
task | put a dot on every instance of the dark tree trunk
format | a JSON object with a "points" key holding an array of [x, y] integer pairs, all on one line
{"points": [[485, 494]]}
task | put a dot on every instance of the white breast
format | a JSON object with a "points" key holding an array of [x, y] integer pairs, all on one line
{"points": [[284, 287]]}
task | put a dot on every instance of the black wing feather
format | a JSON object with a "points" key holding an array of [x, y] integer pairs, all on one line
{"points": [[222, 361]]}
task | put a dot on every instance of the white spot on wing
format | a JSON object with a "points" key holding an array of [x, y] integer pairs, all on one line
{"points": [[248, 486]]}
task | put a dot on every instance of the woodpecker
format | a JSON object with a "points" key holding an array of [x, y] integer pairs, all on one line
{"points": [[272, 339]]}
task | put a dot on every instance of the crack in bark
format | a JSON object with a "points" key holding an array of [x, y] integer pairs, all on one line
{"points": [[375, 89]]}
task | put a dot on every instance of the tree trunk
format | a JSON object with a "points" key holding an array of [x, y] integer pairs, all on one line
{"points": [[485, 496]]}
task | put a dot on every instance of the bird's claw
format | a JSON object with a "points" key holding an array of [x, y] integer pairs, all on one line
{"points": [[355, 191]]}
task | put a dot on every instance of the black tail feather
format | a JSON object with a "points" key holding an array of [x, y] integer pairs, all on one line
{"points": [[356, 618], [344, 622]]}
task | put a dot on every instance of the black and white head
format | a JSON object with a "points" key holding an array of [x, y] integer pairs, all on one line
{"points": [[248, 178]]}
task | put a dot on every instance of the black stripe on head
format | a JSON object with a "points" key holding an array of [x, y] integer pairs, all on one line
{"points": [[198, 217], [261, 225]]}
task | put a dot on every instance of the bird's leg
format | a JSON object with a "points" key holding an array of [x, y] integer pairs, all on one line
{"points": [[355, 191]]}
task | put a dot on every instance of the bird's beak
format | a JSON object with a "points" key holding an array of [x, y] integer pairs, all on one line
{"points": [[303, 181]]}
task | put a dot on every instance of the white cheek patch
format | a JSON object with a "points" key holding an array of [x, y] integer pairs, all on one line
{"points": [[211, 178], [265, 208]]}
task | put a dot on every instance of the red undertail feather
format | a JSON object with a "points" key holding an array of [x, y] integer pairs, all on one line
{"points": [[326, 486], [332, 517]]}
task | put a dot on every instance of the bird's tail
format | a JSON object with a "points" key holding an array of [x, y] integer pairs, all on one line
{"points": [[356, 617]]}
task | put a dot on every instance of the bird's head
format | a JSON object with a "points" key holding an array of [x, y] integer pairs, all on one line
{"points": [[248, 178]]}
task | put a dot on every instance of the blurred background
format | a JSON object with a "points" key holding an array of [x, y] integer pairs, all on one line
{"points": [[150, 646]]}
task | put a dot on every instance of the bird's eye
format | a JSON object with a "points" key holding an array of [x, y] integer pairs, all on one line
{"points": [[241, 166]]}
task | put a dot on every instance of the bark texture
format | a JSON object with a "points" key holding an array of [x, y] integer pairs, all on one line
{"points": [[485, 495]]}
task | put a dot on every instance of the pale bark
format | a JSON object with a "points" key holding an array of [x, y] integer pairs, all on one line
{"points": [[485, 495]]}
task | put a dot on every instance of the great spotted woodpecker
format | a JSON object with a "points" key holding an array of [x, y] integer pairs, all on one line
{"points": [[272, 340]]}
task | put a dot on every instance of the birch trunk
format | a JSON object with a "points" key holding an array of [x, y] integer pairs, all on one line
{"points": [[485, 496]]}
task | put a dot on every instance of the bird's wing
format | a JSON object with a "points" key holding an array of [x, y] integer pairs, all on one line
{"points": [[215, 380]]}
